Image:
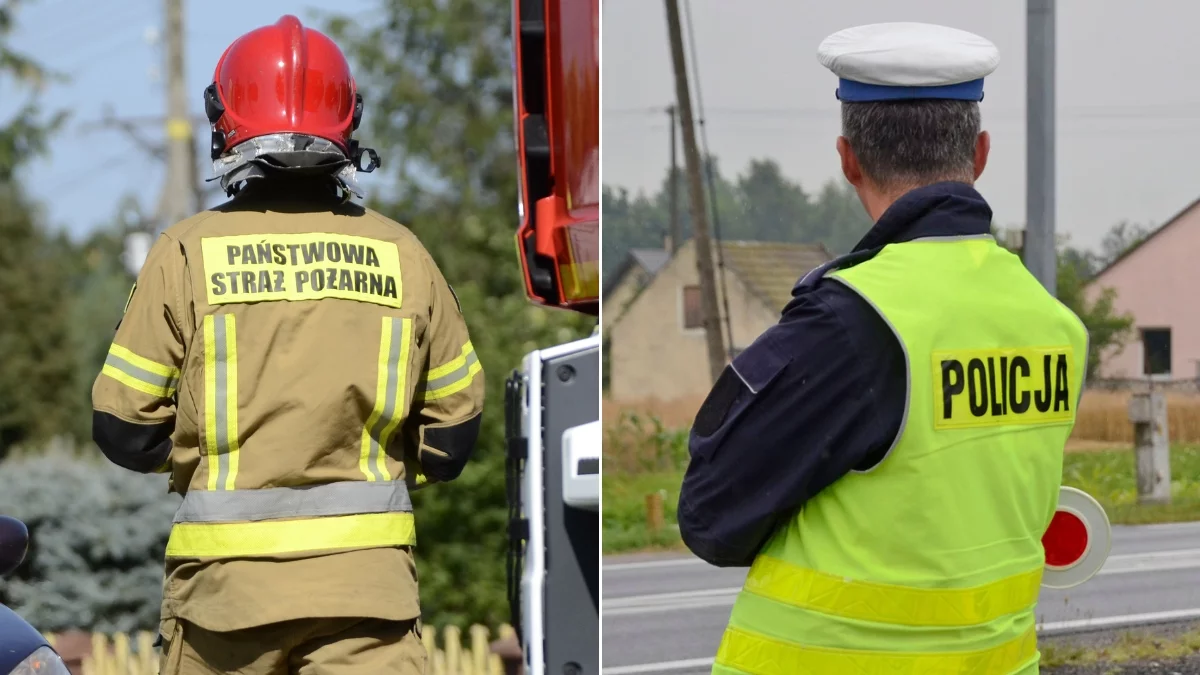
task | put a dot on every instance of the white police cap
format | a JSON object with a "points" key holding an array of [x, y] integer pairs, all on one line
{"points": [[894, 61]]}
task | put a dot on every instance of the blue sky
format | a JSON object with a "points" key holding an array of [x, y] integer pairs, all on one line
{"points": [[104, 46]]}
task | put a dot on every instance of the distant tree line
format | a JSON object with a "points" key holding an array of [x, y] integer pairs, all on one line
{"points": [[762, 204], [759, 205]]}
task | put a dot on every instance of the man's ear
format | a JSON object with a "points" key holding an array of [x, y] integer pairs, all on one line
{"points": [[850, 166], [983, 146]]}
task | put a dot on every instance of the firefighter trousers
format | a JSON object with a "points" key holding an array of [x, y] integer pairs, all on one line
{"points": [[334, 646]]}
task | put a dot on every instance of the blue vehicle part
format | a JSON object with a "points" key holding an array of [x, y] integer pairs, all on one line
{"points": [[17, 640]]}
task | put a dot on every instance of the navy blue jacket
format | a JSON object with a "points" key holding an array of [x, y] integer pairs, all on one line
{"points": [[818, 394]]}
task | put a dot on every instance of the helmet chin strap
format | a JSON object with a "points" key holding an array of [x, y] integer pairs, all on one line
{"points": [[295, 154]]}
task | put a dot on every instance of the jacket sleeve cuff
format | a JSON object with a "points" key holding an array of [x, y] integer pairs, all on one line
{"points": [[144, 448]]}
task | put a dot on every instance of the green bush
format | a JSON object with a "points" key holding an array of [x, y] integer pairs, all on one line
{"points": [[637, 444]]}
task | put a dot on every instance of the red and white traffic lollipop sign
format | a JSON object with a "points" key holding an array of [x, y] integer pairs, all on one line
{"points": [[1078, 541]]}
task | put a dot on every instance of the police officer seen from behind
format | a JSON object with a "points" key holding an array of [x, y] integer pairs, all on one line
{"points": [[296, 364], [887, 457]]}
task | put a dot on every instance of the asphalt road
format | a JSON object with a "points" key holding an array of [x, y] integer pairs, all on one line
{"points": [[665, 614]]}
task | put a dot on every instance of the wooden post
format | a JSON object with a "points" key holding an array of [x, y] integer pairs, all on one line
{"points": [[1148, 412], [508, 648], [654, 512], [693, 165]]}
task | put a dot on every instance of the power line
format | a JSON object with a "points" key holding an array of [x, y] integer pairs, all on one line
{"points": [[1172, 112], [92, 59], [799, 130], [95, 25]]}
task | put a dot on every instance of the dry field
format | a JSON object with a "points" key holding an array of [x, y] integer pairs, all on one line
{"points": [[1103, 420]]}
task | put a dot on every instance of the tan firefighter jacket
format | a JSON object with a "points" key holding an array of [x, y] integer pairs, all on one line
{"points": [[297, 366]]}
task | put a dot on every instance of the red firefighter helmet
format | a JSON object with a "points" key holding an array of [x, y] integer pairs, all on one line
{"points": [[283, 79]]}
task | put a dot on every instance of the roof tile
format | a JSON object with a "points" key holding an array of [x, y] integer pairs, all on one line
{"points": [[771, 269]]}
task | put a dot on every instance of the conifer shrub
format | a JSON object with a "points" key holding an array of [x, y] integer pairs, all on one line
{"points": [[97, 537]]}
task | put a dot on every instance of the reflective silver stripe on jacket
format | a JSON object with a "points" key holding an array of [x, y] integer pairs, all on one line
{"points": [[167, 382], [329, 499]]}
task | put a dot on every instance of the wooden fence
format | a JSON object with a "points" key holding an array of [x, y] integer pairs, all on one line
{"points": [[122, 654]]}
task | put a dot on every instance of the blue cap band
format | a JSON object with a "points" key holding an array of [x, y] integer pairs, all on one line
{"points": [[849, 91]]}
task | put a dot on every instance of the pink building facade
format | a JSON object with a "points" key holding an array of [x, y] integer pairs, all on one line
{"points": [[1156, 283]]}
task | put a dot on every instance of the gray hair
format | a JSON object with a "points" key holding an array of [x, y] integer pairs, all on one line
{"points": [[905, 144]]}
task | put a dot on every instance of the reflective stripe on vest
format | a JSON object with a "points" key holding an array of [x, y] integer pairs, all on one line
{"points": [[235, 523], [789, 584], [745, 652], [931, 560]]}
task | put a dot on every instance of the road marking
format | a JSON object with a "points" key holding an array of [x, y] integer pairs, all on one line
{"points": [[1158, 561], [652, 564], [687, 664], [670, 602], [693, 562], [1077, 625]]}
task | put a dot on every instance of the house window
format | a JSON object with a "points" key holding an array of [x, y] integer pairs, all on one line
{"points": [[693, 317], [1156, 351]]}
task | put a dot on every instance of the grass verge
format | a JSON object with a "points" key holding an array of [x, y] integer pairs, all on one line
{"points": [[624, 519], [1107, 475], [1124, 647]]}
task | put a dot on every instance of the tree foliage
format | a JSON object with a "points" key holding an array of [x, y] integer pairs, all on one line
{"points": [[437, 81], [761, 204], [37, 362], [26, 133], [1108, 330]]}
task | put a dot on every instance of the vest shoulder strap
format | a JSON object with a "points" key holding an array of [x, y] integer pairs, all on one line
{"points": [[810, 280]]}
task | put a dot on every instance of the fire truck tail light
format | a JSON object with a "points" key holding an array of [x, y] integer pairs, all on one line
{"points": [[580, 269], [573, 241]]}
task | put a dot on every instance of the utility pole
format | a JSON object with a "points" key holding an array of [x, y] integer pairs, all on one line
{"points": [[704, 258], [673, 188], [181, 196], [182, 192], [1041, 251]]}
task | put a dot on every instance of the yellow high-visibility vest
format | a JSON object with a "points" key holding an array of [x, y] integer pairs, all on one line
{"points": [[931, 561]]}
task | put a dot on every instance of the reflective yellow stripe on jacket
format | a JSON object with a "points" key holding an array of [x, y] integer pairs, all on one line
{"points": [[452, 377], [140, 373], [223, 522], [390, 392], [220, 400], [245, 523]]}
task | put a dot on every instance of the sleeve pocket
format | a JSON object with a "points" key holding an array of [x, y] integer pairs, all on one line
{"points": [[750, 373], [758, 366]]}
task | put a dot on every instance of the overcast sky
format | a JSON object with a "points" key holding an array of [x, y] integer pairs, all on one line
{"points": [[1128, 97]]}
